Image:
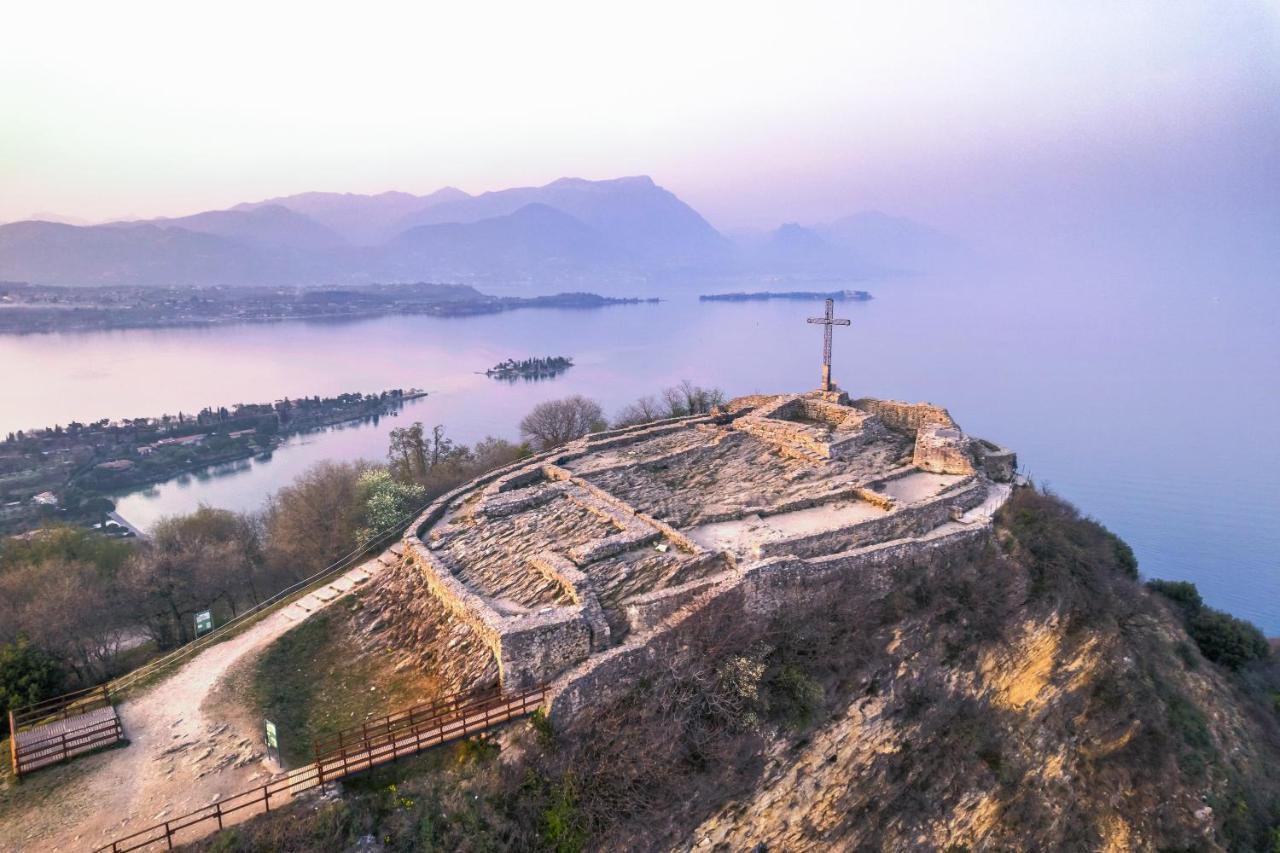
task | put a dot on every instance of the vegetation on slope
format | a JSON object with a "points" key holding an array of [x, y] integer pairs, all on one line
{"points": [[312, 683], [1029, 695]]}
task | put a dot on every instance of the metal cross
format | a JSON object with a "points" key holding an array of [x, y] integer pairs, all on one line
{"points": [[827, 322]]}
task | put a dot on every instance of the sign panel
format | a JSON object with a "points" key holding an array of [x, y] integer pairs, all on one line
{"points": [[204, 622], [272, 742]]}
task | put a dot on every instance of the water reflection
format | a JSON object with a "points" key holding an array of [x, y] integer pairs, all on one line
{"points": [[1141, 400]]}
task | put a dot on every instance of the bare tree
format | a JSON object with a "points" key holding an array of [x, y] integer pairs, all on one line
{"points": [[312, 522], [557, 422], [676, 401], [642, 411]]}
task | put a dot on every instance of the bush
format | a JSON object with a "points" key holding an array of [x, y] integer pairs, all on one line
{"points": [[558, 422], [1182, 593], [794, 697], [1226, 640], [27, 675], [1221, 637]]}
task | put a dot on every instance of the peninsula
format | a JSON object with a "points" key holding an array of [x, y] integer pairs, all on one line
{"points": [[27, 308], [804, 295], [68, 472]]}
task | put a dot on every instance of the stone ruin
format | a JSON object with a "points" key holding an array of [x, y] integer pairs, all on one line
{"points": [[562, 566]]}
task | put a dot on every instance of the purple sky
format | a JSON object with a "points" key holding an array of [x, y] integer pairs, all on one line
{"points": [[974, 119]]}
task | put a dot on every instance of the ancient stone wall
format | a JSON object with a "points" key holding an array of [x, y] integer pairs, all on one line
{"points": [[908, 521], [905, 417], [646, 612], [943, 450], [998, 463], [759, 591]]}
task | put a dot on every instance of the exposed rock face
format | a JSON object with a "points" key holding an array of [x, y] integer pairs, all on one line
{"points": [[400, 615]]}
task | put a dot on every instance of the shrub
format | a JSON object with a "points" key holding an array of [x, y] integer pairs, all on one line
{"points": [[794, 697], [27, 675], [1226, 640], [1182, 593]]}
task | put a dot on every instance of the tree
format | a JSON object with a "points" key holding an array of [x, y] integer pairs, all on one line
{"points": [[313, 522], [676, 402], [386, 501], [642, 411], [190, 563], [557, 422], [1226, 640], [27, 676]]}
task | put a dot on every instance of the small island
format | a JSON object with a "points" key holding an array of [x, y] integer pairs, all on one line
{"points": [[806, 295], [530, 369]]}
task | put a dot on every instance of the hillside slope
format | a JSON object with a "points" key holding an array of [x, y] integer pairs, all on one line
{"points": [[1029, 694]]}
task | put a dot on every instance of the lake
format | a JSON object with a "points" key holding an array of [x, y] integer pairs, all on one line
{"points": [[1153, 405]]}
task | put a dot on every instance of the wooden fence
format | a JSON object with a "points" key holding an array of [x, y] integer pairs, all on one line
{"points": [[394, 736], [53, 731], [399, 720], [456, 723]]}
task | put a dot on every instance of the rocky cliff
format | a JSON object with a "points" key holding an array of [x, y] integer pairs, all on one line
{"points": [[1025, 694]]}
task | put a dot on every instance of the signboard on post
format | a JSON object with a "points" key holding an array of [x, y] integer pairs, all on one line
{"points": [[273, 742], [204, 622]]}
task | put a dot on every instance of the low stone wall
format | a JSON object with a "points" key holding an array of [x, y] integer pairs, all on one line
{"points": [[581, 589], [998, 463], [905, 417], [529, 649], [943, 450], [646, 612], [642, 432], [913, 520], [533, 650], [789, 437], [517, 500], [760, 590]]}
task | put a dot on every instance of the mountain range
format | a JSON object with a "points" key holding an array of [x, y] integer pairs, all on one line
{"points": [[627, 230]]}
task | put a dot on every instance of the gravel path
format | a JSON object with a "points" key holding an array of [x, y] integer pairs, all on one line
{"points": [[179, 757]]}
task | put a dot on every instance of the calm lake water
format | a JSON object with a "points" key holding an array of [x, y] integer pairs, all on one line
{"points": [[1152, 406]]}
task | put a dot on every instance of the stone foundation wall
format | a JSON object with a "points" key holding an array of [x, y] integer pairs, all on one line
{"points": [[529, 649], [908, 521], [998, 463], [758, 591], [943, 450], [646, 612], [905, 417]]}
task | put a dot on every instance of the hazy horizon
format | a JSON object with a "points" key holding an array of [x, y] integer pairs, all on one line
{"points": [[973, 120]]}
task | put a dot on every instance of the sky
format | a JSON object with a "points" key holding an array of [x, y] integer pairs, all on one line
{"points": [[754, 113]]}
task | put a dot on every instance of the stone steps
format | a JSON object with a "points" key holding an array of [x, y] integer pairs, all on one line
{"points": [[315, 600]]}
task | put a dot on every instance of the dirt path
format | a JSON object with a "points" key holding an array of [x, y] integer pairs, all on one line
{"points": [[178, 758]]}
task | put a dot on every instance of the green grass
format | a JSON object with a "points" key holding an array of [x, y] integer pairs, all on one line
{"points": [[314, 682]]}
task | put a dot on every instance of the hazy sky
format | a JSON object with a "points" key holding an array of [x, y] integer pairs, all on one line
{"points": [[754, 113]]}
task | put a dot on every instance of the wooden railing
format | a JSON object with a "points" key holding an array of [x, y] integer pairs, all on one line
{"points": [[395, 736], [459, 722], [280, 787], [59, 708], [31, 755], [398, 720], [65, 736]]}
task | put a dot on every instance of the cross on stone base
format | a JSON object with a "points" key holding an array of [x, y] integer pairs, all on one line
{"points": [[827, 321]]}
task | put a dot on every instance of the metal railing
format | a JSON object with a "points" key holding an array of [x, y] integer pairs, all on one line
{"points": [[464, 718]]}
